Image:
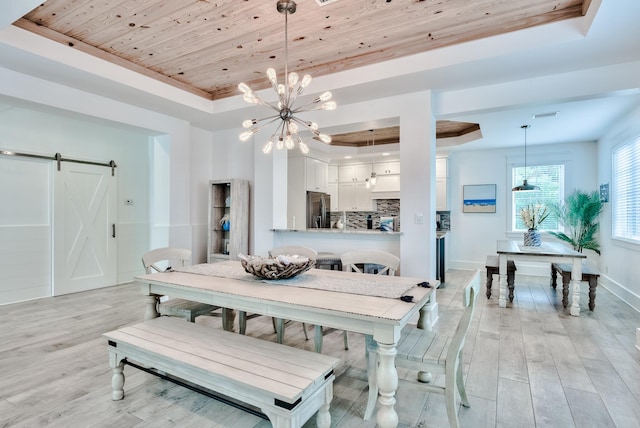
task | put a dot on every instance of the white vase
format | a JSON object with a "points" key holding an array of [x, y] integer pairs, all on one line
{"points": [[532, 238]]}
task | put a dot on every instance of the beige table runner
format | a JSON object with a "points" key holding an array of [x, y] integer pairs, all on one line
{"points": [[392, 287]]}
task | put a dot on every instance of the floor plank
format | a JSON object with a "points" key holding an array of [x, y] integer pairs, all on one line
{"points": [[530, 364]]}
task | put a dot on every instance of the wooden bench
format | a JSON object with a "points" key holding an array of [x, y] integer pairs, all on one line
{"points": [[287, 384], [493, 267], [588, 274]]}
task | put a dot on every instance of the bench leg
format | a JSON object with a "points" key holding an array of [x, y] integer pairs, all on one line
{"points": [[489, 282], [554, 272], [593, 283], [323, 418], [117, 379], [510, 283], [566, 279], [152, 302]]}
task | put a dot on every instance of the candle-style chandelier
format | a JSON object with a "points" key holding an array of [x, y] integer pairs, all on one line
{"points": [[286, 132]]}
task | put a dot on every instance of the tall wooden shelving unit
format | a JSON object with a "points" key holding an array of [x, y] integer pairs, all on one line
{"points": [[229, 197]]}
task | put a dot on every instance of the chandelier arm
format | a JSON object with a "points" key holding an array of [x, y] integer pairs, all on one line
{"points": [[274, 117], [255, 129]]}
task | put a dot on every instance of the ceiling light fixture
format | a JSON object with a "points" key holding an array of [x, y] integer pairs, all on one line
{"points": [[525, 186], [544, 115], [286, 133]]}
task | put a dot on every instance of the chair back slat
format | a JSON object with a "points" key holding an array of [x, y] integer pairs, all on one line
{"points": [[171, 255], [389, 263]]}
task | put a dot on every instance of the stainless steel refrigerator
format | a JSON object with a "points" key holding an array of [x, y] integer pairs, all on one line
{"points": [[318, 208]]}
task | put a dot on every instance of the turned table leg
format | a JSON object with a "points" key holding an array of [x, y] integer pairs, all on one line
{"points": [[576, 277], [502, 302], [387, 386]]}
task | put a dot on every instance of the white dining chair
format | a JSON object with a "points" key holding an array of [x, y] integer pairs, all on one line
{"points": [[362, 261], [290, 250], [430, 353], [161, 259]]}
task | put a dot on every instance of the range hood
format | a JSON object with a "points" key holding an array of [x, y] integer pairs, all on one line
{"points": [[382, 194], [387, 187]]}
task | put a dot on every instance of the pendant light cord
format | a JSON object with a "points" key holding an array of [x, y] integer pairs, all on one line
{"points": [[525, 151]]}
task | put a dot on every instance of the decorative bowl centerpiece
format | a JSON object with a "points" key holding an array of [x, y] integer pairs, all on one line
{"points": [[280, 267]]}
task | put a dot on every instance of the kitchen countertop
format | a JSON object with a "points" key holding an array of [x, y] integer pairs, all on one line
{"points": [[441, 233], [376, 232]]}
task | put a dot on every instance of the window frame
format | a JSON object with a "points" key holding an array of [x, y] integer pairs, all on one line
{"points": [[614, 193], [533, 161]]}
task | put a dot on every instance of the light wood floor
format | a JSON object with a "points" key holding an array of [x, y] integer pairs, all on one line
{"points": [[528, 365]]}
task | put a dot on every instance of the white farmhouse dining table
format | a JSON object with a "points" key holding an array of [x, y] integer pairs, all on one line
{"points": [[553, 252], [381, 317]]}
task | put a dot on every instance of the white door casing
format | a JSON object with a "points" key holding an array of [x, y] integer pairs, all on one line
{"points": [[85, 254]]}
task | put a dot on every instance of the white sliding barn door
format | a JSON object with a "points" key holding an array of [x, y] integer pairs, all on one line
{"points": [[25, 229], [84, 214]]}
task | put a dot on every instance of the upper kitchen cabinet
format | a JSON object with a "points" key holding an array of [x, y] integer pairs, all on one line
{"points": [[354, 197], [442, 184], [316, 172], [332, 174], [354, 173], [332, 187], [386, 168]]}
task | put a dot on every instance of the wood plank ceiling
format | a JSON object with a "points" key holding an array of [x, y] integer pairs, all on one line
{"points": [[208, 46]]}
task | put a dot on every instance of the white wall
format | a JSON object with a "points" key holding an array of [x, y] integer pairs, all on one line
{"points": [[47, 132], [619, 262], [473, 236]]}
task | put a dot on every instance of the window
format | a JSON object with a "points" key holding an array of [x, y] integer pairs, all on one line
{"points": [[625, 192], [550, 180]]}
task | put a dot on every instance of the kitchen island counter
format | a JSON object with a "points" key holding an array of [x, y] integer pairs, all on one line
{"points": [[339, 241], [375, 232]]}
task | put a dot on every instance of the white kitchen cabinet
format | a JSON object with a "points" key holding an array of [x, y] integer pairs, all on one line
{"points": [[441, 194], [332, 174], [442, 184], [332, 190], [316, 175], [385, 168], [442, 167], [354, 173], [354, 197]]}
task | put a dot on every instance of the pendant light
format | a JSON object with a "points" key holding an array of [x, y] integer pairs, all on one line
{"points": [[286, 132], [525, 186], [371, 181]]}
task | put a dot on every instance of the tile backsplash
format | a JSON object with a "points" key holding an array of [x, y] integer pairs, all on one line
{"points": [[358, 219], [443, 220]]}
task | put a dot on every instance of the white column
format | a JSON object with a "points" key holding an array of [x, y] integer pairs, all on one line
{"points": [[417, 186]]}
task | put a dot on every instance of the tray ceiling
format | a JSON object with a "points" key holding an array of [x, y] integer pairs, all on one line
{"points": [[208, 47]]}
